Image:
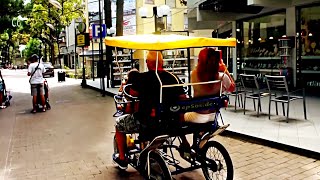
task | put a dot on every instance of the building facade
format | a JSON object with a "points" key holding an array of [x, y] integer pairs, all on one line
{"points": [[259, 27]]}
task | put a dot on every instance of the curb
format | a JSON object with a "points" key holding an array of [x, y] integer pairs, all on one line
{"points": [[272, 144]]}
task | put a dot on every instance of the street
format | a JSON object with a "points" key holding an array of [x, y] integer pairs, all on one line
{"points": [[74, 140]]}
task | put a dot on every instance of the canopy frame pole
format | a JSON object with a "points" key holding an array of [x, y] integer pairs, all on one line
{"points": [[157, 60]]}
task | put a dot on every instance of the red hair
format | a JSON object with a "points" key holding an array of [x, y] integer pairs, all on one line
{"points": [[208, 65]]}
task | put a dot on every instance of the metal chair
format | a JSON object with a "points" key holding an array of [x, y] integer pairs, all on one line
{"points": [[279, 92], [238, 94], [252, 91]]}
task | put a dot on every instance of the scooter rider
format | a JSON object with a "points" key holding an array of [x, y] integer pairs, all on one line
{"points": [[36, 70]]}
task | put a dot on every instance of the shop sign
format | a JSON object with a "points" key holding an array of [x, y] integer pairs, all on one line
{"points": [[129, 25], [83, 40], [149, 1]]}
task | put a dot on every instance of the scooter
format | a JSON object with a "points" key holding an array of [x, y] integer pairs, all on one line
{"points": [[39, 105]]}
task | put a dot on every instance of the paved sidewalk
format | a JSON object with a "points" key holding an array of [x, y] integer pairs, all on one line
{"points": [[299, 133], [74, 141]]}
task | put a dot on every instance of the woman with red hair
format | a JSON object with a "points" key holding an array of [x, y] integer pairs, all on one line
{"points": [[209, 65]]}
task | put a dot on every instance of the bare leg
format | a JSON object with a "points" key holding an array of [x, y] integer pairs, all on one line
{"points": [[43, 101], [121, 141], [34, 102], [1, 99]]}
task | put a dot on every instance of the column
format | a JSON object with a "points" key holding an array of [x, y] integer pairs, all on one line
{"points": [[234, 51], [291, 31]]}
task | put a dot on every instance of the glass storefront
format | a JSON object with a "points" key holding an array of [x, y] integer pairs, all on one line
{"points": [[309, 47], [257, 44]]}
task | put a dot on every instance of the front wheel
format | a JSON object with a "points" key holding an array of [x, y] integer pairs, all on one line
{"points": [[158, 168], [216, 162]]}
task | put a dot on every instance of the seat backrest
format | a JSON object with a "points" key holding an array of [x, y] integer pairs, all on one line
{"points": [[277, 83], [249, 81], [196, 104]]}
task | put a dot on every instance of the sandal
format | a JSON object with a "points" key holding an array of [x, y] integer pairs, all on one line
{"points": [[44, 110], [33, 111], [2, 107]]}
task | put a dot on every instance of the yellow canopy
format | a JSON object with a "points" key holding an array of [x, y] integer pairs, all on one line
{"points": [[163, 42]]}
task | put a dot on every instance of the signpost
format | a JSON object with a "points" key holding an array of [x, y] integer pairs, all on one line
{"points": [[83, 39], [97, 30]]}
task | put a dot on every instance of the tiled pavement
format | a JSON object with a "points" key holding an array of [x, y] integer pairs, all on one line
{"points": [[74, 141]]}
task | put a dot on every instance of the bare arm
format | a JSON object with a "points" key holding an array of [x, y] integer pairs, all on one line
{"points": [[29, 70]]}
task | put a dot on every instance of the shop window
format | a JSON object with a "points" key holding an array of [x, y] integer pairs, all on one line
{"points": [[309, 48], [310, 34], [257, 41], [260, 35]]}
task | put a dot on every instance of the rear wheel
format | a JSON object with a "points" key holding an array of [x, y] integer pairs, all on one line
{"points": [[216, 162], [158, 168]]}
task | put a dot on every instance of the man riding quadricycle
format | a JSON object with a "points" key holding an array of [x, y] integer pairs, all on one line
{"points": [[156, 110]]}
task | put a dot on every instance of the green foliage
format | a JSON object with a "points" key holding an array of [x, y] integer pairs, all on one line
{"points": [[66, 67], [9, 9], [42, 12], [32, 47]]}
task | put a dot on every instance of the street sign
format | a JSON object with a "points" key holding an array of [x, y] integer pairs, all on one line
{"points": [[81, 27], [83, 39], [96, 31]]}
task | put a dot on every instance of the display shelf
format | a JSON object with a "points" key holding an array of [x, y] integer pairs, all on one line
{"points": [[124, 67], [262, 58], [116, 74], [177, 59], [261, 70], [310, 72], [123, 61], [176, 68], [310, 57], [122, 55]]}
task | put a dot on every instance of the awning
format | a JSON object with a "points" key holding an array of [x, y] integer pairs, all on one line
{"points": [[164, 42]]}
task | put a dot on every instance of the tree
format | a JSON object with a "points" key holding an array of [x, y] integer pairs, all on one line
{"points": [[43, 13], [32, 47], [119, 18], [9, 9]]}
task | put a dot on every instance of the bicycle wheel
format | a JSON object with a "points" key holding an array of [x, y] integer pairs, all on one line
{"points": [[158, 168], [216, 162]]}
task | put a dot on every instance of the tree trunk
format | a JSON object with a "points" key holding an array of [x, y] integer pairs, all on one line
{"points": [[119, 14], [107, 13]]}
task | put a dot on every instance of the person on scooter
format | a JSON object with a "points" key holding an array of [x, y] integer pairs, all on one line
{"points": [[36, 70], [148, 90], [2, 106]]}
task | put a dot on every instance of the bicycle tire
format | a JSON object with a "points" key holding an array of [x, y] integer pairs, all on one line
{"points": [[155, 158], [227, 159]]}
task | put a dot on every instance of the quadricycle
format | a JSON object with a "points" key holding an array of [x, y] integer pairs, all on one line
{"points": [[152, 151]]}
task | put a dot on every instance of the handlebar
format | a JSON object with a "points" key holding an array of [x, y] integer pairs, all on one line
{"points": [[125, 89]]}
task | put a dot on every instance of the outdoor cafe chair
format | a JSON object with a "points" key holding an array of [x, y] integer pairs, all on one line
{"points": [[238, 94], [280, 93], [252, 91]]}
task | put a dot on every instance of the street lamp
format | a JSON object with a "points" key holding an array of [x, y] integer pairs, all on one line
{"points": [[158, 12], [111, 31], [55, 4]]}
